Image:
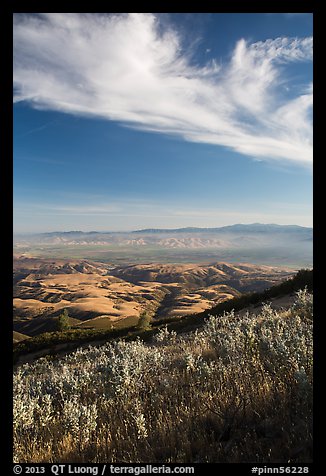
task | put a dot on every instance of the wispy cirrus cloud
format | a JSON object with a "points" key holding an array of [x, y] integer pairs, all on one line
{"points": [[129, 68], [37, 129]]}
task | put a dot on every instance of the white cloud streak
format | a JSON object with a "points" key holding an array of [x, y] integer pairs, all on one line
{"points": [[128, 68]]}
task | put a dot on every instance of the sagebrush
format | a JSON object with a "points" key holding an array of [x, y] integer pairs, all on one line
{"points": [[236, 390]]}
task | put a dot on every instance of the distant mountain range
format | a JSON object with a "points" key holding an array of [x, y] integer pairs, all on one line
{"points": [[286, 245], [237, 228]]}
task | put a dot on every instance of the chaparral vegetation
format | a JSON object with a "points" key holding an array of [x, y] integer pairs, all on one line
{"points": [[238, 389]]}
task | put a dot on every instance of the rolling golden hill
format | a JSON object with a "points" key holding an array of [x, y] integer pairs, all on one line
{"points": [[100, 295]]}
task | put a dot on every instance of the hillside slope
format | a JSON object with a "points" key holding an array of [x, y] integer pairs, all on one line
{"points": [[239, 389], [278, 296], [18, 337], [101, 295]]}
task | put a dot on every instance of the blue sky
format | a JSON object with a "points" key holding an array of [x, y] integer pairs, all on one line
{"points": [[124, 122]]}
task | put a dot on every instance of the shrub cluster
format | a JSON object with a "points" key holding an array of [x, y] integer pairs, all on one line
{"points": [[236, 390]]}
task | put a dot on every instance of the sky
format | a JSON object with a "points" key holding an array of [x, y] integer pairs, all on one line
{"points": [[131, 121]]}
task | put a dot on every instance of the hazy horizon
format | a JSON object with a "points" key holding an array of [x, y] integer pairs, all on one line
{"points": [[105, 230], [133, 121]]}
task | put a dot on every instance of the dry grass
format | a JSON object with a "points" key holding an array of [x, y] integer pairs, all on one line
{"points": [[238, 390], [18, 337], [84, 296], [88, 290]]}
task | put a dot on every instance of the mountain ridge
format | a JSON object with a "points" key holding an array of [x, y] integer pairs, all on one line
{"points": [[258, 243], [237, 227]]}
